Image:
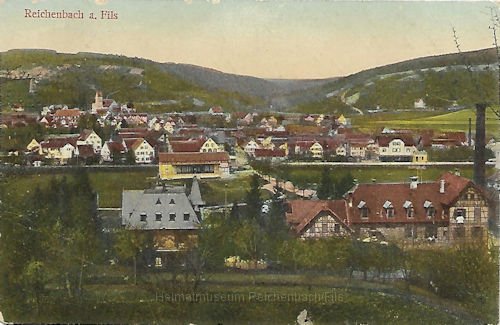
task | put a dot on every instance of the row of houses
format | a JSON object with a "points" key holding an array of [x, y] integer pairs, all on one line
{"points": [[178, 158], [440, 213], [397, 146]]}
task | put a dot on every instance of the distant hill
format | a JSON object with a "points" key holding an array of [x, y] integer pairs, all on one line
{"points": [[440, 81], [459, 79], [72, 79], [263, 88]]}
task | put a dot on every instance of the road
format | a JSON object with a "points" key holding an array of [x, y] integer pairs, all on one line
{"points": [[342, 98], [6, 168]]}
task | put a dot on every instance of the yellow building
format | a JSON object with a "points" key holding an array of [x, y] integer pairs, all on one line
{"points": [[182, 165], [420, 157], [316, 150], [211, 146], [33, 145]]}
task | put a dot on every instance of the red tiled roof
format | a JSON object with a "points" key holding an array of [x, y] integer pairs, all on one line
{"points": [[85, 134], [192, 145], [375, 196], [302, 212], [191, 131], [193, 157], [115, 147], [384, 140], [67, 112], [107, 102], [56, 143], [86, 151], [132, 143]]}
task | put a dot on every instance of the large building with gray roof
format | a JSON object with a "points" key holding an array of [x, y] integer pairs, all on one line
{"points": [[167, 208]]}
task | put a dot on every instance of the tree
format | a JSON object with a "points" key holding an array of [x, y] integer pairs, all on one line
{"points": [[130, 157], [130, 243], [89, 121], [253, 198], [249, 241], [343, 185], [326, 187]]}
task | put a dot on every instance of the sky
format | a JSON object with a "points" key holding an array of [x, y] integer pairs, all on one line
{"points": [[292, 39]]}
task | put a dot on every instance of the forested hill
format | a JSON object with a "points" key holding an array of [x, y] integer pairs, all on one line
{"points": [[440, 81], [72, 79]]}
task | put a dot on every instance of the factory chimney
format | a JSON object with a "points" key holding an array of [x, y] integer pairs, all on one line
{"points": [[480, 146]]}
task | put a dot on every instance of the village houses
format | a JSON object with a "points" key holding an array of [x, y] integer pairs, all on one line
{"points": [[449, 210]]}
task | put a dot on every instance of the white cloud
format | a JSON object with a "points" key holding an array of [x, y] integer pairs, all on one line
{"points": [[101, 2], [188, 1]]}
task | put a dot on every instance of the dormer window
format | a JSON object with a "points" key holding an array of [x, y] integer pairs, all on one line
{"points": [[172, 201], [389, 209], [410, 211], [363, 209], [143, 216], [429, 208], [158, 202]]}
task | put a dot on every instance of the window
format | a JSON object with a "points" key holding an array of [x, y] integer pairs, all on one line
{"points": [[477, 214], [363, 209], [460, 214], [431, 212], [389, 209], [410, 211], [171, 216], [158, 201], [429, 208], [324, 227], [186, 216], [158, 216], [172, 201], [336, 228], [143, 216]]}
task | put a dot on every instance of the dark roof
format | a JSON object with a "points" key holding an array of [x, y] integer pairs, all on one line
{"points": [[195, 194], [137, 204]]}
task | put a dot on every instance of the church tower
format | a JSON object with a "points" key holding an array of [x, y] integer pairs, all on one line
{"points": [[98, 103]]}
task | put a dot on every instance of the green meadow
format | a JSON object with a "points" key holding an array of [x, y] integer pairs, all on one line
{"points": [[450, 121]]}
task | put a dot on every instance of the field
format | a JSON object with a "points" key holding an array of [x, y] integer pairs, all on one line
{"points": [[236, 298], [110, 184], [311, 175], [454, 121]]}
